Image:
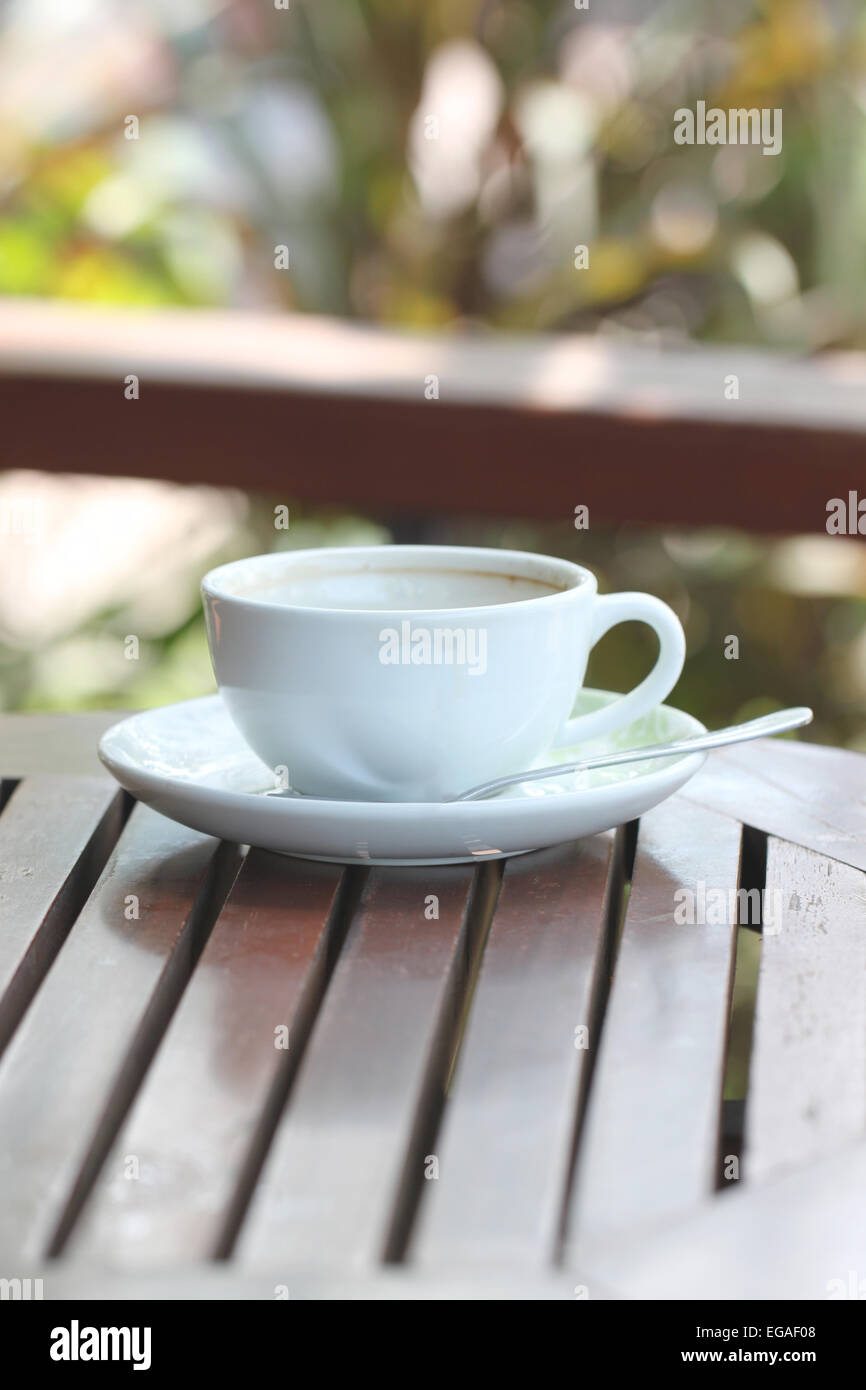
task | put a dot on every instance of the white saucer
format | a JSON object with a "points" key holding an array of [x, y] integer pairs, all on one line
{"points": [[189, 762]]}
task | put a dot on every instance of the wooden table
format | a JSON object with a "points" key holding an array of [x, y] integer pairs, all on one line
{"points": [[231, 1074]]}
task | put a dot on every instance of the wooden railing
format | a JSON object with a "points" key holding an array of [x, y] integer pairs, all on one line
{"points": [[317, 410]]}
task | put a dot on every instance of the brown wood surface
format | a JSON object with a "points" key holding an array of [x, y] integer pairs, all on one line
{"points": [[318, 410], [807, 1088], [55, 744], [332, 1185], [802, 1236], [505, 1149], [223, 1058], [55, 836], [149, 1123], [71, 1066], [802, 792], [286, 1280], [652, 1131]]}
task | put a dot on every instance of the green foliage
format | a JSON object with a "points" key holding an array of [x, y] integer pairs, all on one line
{"points": [[298, 129], [301, 127]]}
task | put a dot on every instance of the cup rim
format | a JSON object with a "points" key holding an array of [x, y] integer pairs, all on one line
{"points": [[213, 585]]}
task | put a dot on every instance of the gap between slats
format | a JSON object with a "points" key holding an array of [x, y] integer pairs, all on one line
{"points": [[294, 1204], [7, 787], [338, 1178], [648, 1146], [442, 1044], [220, 876], [344, 909], [176, 1181], [751, 887], [795, 1046], [73, 1065], [616, 906], [504, 1139], [217, 1137], [450, 1031], [48, 922]]}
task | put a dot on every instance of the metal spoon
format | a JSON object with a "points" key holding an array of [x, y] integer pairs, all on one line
{"points": [[768, 724]]}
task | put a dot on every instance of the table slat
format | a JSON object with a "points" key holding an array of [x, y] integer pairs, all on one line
{"points": [[192, 1124], [55, 835], [807, 1082], [86, 1022], [226, 1281], [32, 744], [329, 1188], [800, 1237], [650, 1138], [802, 792], [505, 1151]]}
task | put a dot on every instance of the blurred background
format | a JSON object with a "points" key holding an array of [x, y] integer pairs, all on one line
{"points": [[262, 125]]}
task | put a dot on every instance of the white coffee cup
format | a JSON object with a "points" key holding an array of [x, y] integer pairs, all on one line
{"points": [[411, 672]]}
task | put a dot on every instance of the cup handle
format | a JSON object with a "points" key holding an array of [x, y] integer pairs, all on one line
{"points": [[611, 609]]}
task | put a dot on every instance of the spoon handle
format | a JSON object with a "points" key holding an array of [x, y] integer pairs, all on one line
{"points": [[766, 725]]}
